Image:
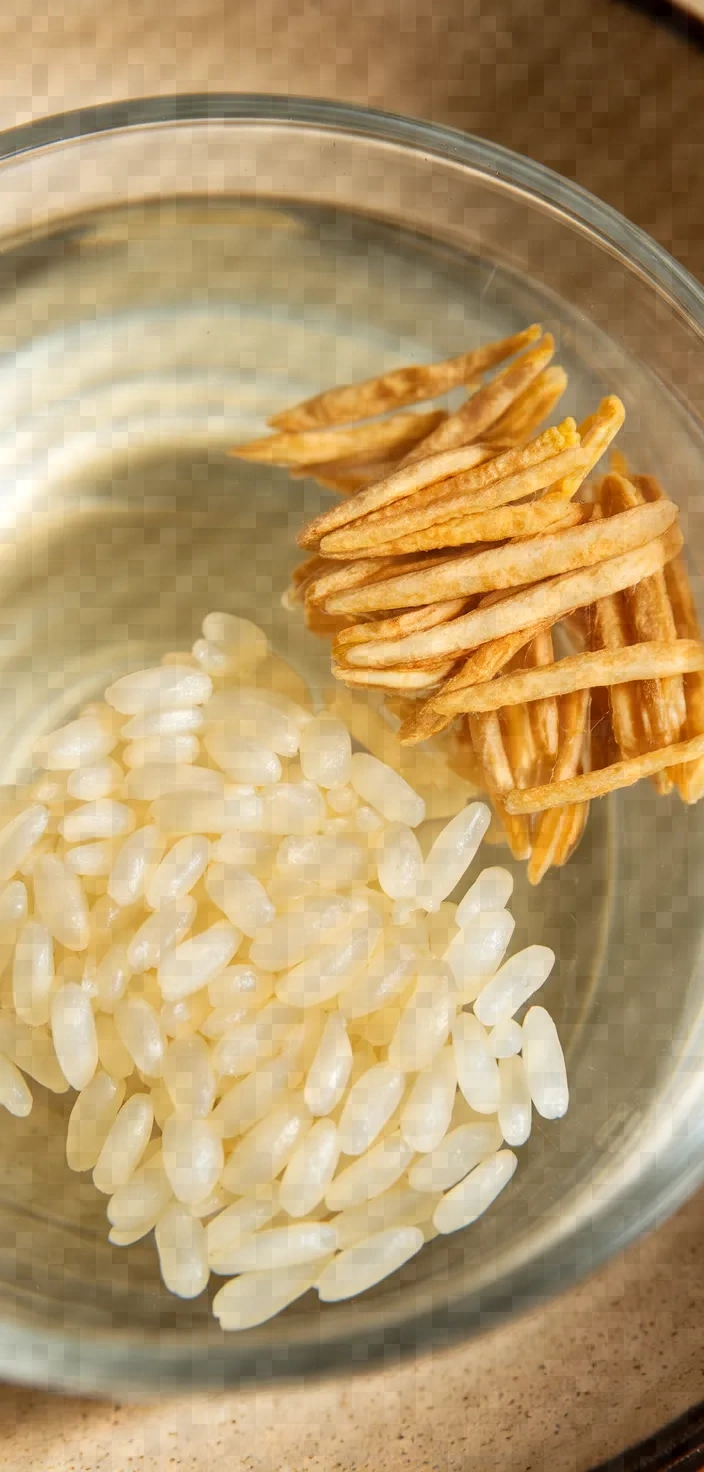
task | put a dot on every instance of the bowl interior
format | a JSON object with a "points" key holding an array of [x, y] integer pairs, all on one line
{"points": [[140, 342]]}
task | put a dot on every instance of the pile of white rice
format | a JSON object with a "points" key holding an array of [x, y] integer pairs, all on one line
{"points": [[294, 1059]]}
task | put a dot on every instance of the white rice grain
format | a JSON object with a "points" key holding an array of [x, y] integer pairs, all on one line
{"points": [[328, 862], [189, 1077], [139, 1028], [370, 1174], [266, 1149], [125, 1144], [426, 1114], [293, 807], [166, 687], [13, 904], [111, 977], [514, 1111], [196, 961], [15, 1094], [477, 950], [172, 748], [400, 1206], [331, 1067], [544, 1063], [247, 1043], [73, 1031], [326, 750], [19, 837], [79, 743], [193, 1157], [178, 872], [385, 980], [368, 1107], [92, 1118], [387, 792], [104, 818], [241, 897], [492, 890], [33, 973], [180, 1241], [239, 1221], [239, 636], [243, 985], [477, 1068], [425, 1021], [206, 812], [514, 983], [506, 1038], [471, 1198], [254, 1096], [187, 719], [160, 933], [310, 1170], [452, 853], [90, 859], [112, 1053], [399, 862], [145, 1197], [154, 783], [136, 858], [282, 1247], [253, 1298], [61, 903], [456, 1155], [328, 969], [95, 780], [360, 1267], [301, 929]]}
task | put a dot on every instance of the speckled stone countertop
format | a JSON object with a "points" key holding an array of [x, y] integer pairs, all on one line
{"points": [[612, 98]]}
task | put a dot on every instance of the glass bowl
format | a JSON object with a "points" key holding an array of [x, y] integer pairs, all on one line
{"points": [[172, 272]]}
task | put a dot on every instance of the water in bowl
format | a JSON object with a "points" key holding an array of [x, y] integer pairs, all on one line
{"points": [[138, 346]]}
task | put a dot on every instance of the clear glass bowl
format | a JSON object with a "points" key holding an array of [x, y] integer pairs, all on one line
{"points": [[171, 272]]}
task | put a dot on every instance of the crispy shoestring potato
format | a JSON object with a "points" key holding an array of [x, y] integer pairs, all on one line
{"points": [[476, 579]]}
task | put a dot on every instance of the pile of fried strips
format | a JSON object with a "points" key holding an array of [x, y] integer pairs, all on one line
{"points": [[465, 548]]}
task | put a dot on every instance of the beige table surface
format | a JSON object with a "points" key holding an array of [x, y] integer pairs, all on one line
{"points": [[602, 93]]}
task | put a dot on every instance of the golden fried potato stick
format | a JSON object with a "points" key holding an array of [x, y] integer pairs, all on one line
{"points": [[488, 744], [543, 713], [552, 826], [483, 664], [689, 779], [400, 386], [582, 672], [409, 680], [320, 445], [482, 410], [519, 743], [337, 576], [482, 464], [543, 602], [515, 564], [499, 479], [572, 826], [651, 618], [531, 408], [608, 779], [506, 523], [611, 632], [509, 477], [404, 623]]}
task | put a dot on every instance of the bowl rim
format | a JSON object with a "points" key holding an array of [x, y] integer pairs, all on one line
{"points": [[573, 200], [95, 1361]]}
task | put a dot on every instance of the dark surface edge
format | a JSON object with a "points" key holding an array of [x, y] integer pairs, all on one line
{"points": [[677, 1447]]}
